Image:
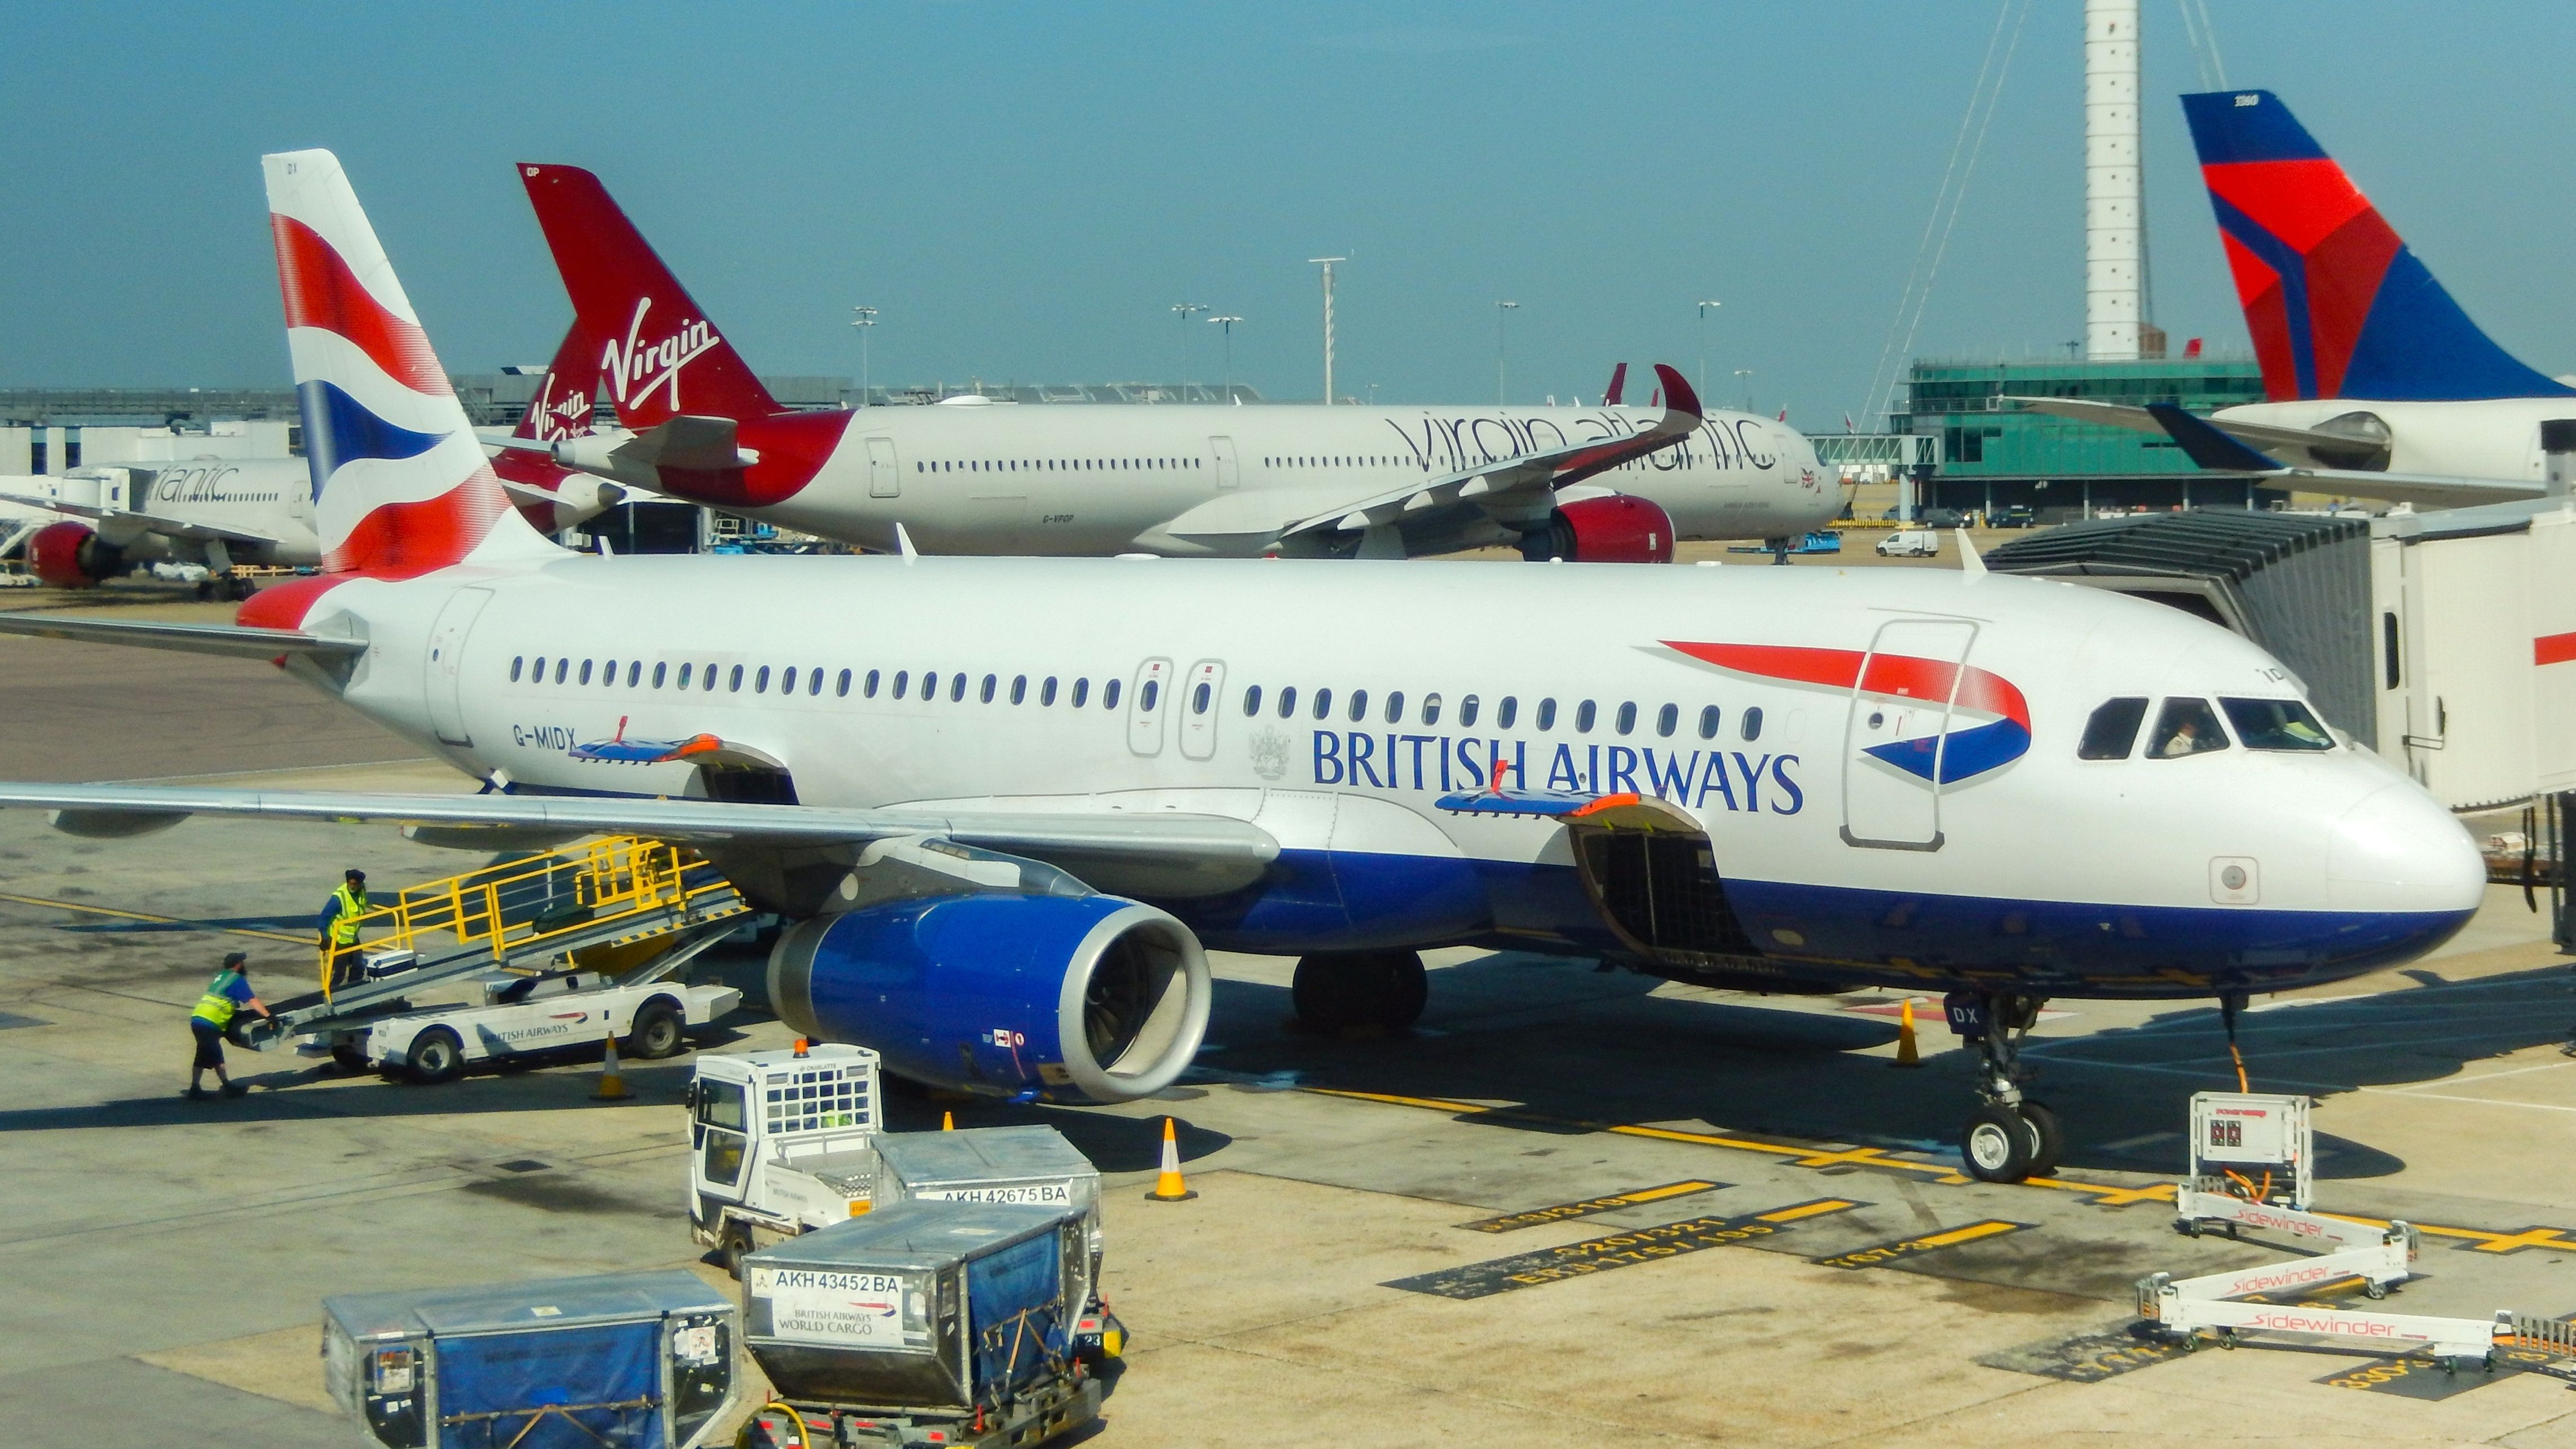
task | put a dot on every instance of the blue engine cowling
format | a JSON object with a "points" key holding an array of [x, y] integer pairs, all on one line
{"points": [[1003, 993]]}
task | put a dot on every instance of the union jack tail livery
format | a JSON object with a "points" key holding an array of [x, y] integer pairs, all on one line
{"points": [[2336, 302], [659, 357], [400, 486]]}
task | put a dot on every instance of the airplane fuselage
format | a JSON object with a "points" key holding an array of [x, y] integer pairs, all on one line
{"points": [[1183, 481], [2488, 438], [1355, 711]]}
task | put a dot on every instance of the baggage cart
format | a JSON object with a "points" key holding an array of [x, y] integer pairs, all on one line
{"points": [[643, 1360]]}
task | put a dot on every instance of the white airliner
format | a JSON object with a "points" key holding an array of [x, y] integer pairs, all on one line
{"points": [[2376, 383], [216, 511], [1007, 802], [1609, 483]]}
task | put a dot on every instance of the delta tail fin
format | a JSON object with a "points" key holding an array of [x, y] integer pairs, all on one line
{"points": [[2337, 304], [659, 356], [400, 484]]}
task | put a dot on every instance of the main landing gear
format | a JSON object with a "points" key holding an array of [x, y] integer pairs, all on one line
{"points": [[1346, 991], [2009, 1137]]}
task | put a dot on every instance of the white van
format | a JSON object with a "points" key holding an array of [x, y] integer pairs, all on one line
{"points": [[1910, 543]]}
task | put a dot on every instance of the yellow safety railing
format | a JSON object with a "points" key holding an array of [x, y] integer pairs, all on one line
{"points": [[516, 908]]}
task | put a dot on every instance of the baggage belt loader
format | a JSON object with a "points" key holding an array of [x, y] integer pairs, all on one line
{"points": [[786, 1142]]}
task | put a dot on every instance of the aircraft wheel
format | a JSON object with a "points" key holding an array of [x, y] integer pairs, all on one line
{"points": [[2049, 1135], [1383, 989], [436, 1056], [1996, 1145]]}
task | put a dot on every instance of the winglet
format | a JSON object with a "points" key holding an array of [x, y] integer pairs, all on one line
{"points": [[1971, 563], [2208, 447], [1678, 396], [903, 544], [1618, 385]]}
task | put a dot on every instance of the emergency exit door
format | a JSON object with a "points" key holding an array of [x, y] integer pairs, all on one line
{"points": [[1227, 473], [885, 480], [1897, 729], [446, 663], [1147, 702], [1201, 705]]}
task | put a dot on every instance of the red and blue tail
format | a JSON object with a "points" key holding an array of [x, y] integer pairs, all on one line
{"points": [[2337, 303], [400, 485]]}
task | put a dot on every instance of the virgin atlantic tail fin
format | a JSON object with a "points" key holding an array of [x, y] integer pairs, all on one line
{"points": [[2337, 304], [400, 485], [659, 357]]}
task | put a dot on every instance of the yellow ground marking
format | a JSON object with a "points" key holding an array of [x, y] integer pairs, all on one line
{"points": [[2098, 1194], [156, 920]]}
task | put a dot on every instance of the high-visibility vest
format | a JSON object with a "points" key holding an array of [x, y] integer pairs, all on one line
{"points": [[344, 926], [215, 1008]]}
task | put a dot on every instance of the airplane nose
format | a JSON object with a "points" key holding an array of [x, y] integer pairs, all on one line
{"points": [[2399, 850]]}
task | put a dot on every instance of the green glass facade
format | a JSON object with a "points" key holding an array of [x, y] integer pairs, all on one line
{"points": [[1981, 437]]}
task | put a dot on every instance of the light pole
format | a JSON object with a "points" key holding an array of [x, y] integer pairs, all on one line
{"points": [[866, 319], [1501, 310], [1746, 374], [1228, 324], [1327, 264], [1185, 309], [1703, 344]]}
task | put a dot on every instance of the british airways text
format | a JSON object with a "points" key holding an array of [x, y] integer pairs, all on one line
{"points": [[1736, 779]]}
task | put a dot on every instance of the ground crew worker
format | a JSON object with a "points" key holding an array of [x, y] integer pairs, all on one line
{"points": [[340, 930], [227, 994]]}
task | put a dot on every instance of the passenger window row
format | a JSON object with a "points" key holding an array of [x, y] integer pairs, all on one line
{"points": [[810, 682], [1053, 465], [1345, 460], [2189, 726], [1429, 711]]}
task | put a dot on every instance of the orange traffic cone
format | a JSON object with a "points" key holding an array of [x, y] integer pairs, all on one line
{"points": [[947, 1121], [1906, 1055], [612, 1084], [1168, 1186]]}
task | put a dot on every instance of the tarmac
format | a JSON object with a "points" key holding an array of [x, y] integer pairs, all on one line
{"points": [[1570, 1206]]}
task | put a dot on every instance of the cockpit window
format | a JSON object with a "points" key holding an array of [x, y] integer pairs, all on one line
{"points": [[2276, 724], [2113, 730], [2185, 727]]}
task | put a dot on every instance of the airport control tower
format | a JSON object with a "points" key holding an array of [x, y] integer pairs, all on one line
{"points": [[2115, 240]]}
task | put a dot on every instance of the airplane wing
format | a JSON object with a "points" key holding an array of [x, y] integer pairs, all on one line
{"points": [[1516, 492], [2220, 452], [171, 527], [1211, 853], [2254, 435], [237, 641]]}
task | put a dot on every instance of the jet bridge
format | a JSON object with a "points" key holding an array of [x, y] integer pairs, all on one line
{"points": [[613, 904]]}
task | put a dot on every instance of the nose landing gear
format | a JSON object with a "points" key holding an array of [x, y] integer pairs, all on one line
{"points": [[2009, 1137]]}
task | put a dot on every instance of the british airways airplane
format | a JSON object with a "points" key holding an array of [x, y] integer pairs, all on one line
{"points": [[1008, 803], [1611, 483], [2376, 384]]}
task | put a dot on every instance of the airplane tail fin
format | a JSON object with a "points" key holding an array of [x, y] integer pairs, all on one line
{"points": [[400, 485], [562, 406], [2337, 304], [659, 356]]}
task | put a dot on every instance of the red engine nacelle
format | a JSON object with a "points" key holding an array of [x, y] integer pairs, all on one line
{"points": [[1617, 529], [72, 556]]}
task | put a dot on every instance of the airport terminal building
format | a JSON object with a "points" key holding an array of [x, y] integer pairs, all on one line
{"points": [[1995, 455]]}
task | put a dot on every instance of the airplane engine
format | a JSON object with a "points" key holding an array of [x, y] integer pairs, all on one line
{"points": [[1003, 993], [72, 556], [1616, 529]]}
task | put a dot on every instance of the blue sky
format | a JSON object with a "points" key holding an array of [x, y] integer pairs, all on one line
{"points": [[1024, 190]]}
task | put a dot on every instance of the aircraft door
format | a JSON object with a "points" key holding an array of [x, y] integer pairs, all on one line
{"points": [[885, 479], [446, 661], [1896, 732], [1146, 706], [1228, 473], [1202, 701]]}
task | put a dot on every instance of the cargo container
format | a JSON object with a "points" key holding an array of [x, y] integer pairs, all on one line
{"points": [[928, 1322], [637, 1360]]}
